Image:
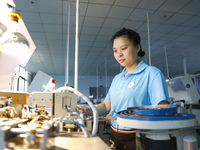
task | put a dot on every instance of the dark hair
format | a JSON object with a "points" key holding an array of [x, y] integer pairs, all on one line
{"points": [[131, 35]]}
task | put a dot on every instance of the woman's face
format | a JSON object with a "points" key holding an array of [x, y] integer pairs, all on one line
{"points": [[124, 51]]}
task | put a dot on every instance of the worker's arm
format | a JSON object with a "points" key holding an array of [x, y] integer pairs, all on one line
{"points": [[163, 103], [102, 108]]}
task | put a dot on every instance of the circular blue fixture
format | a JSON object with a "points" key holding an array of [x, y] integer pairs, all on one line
{"points": [[188, 85]]}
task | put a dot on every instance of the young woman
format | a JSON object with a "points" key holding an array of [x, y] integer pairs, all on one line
{"points": [[137, 85]]}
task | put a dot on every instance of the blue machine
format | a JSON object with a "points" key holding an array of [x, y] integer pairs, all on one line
{"points": [[159, 126]]}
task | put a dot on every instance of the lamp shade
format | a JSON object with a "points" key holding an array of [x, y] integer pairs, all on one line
{"points": [[13, 42], [15, 45]]}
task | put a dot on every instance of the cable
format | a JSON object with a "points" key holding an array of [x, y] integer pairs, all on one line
{"points": [[94, 110], [84, 128], [72, 122], [77, 114], [85, 109]]}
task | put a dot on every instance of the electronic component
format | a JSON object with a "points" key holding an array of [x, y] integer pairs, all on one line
{"points": [[50, 121]]}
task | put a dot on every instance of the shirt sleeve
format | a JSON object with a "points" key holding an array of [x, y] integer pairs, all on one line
{"points": [[158, 89], [108, 96]]}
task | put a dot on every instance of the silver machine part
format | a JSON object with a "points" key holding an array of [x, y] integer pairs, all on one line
{"points": [[58, 103], [190, 143]]}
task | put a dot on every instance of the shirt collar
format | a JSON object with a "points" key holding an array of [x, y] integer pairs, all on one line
{"points": [[140, 67]]}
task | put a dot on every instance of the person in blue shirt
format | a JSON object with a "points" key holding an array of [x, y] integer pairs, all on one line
{"points": [[137, 85]]}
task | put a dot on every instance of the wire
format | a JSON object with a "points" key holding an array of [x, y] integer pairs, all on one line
{"points": [[72, 122], [77, 114], [94, 109], [85, 109]]}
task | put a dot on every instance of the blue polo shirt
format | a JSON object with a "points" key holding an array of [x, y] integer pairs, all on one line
{"points": [[145, 85]]}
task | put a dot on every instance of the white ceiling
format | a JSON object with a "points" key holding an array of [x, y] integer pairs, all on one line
{"points": [[173, 23]]}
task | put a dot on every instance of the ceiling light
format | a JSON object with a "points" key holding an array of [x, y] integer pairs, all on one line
{"points": [[12, 42]]}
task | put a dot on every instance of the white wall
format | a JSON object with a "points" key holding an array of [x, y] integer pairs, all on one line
{"points": [[84, 82], [39, 81]]}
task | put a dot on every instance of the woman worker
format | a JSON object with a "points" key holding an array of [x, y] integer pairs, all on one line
{"points": [[137, 85]]}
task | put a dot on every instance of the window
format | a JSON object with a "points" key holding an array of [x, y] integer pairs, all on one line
{"points": [[23, 81]]}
